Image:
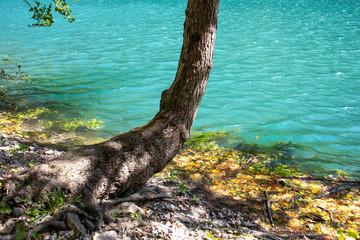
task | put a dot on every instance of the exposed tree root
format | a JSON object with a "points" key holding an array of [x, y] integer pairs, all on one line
{"points": [[104, 212], [134, 198], [47, 224]]}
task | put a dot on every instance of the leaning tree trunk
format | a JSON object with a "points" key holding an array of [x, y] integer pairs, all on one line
{"points": [[129, 159]]}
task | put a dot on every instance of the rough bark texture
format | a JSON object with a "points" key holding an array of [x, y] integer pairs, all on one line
{"points": [[129, 159]]}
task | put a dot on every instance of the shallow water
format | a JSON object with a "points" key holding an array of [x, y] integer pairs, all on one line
{"points": [[283, 70]]}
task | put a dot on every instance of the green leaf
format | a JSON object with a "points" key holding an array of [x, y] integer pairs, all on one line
{"points": [[182, 188], [209, 235], [20, 234], [352, 233], [20, 225], [21, 147], [8, 210], [342, 237], [35, 235], [36, 212], [340, 231]]}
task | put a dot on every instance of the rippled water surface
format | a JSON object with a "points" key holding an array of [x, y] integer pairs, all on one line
{"points": [[285, 70]]}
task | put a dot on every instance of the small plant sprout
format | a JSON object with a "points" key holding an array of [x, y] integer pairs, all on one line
{"points": [[136, 215], [56, 199], [21, 147], [5, 209], [35, 235], [182, 188], [172, 175], [20, 233], [36, 214]]}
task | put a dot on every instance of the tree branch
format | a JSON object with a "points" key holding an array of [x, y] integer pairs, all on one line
{"points": [[27, 3]]}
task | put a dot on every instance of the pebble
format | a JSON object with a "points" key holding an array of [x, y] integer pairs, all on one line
{"points": [[32, 148], [48, 152], [69, 234], [17, 212], [109, 235], [167, 216]]}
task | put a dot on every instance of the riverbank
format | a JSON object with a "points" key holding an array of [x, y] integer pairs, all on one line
{"points": [[179, 215], [207, 192]]}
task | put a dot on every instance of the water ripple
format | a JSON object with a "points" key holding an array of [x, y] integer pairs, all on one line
{"points": [[283, 70]]}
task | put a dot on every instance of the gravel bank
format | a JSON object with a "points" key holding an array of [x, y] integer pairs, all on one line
{"points": [[18, 153]]}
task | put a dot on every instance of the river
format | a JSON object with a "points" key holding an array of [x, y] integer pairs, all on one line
{"points": [[285, 70]]}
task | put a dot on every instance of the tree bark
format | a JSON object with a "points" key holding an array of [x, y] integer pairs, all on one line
{"points": [[129, 159]]}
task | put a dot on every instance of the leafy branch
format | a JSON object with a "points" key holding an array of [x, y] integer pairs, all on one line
{"points": [[43, 13], [11, 71]]}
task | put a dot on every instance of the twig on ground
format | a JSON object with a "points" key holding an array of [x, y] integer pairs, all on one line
{"points": [[264, 212], [262, 235], [322, 179], [324, 209], [294, 198], [268, 206], [333, 190]]}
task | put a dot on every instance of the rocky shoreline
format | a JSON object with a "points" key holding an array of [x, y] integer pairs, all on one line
{"points": [[161, 210]]}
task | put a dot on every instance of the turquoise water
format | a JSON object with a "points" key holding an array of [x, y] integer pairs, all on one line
{"points": [[284, 70]]}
